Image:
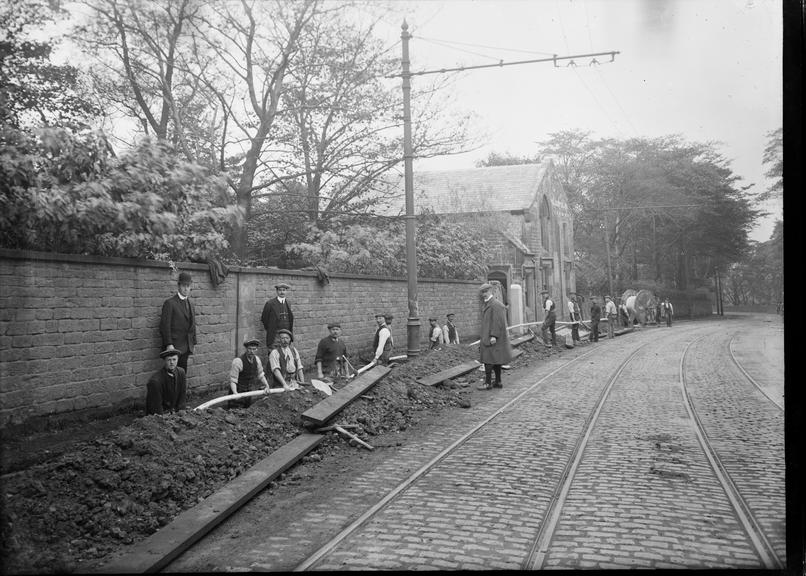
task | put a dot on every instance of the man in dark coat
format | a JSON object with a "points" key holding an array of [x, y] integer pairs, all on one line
{"points": [[596, 313], [331, 353], [166, 390], [178, 322], [277, 315], [494, 346]]}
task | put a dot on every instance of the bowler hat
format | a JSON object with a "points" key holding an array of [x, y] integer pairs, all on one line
{"points": [[282, 285], [485, 286], [251, 342], [284, 331], [184, 278], [169, 352]]}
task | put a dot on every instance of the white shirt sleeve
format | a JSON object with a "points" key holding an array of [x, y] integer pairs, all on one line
{"points": [[235, 370], [383, 336]]}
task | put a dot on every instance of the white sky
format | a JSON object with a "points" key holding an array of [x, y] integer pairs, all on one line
{"points": [[709, 70]]}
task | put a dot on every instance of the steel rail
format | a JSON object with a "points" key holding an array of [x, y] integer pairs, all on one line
{"points": [[537, 554], [381, 504], [745, 516], [752, 380]]}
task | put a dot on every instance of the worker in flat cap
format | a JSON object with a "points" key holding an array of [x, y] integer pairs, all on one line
{"points": [[450, 334], [331, 354], [494, 347], [178, 322], [434, 334], [383, 342], [166, 390], [611, 312], [549, 322], [246, 374], [277, 314], [285, 363]]}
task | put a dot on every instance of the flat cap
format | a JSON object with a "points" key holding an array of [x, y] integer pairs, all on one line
{"points": [[432, 319], [284, 331], [449, 315], [334, 325], [283, 285], [166, 353], [251, 342], [184, 278], [485, 286]]}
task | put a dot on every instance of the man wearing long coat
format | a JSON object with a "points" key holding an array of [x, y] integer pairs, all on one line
{"points": [[494, 345], [277, 315], [178, 322]]}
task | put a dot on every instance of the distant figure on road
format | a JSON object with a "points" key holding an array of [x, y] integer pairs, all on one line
{"points": [[166, 390], [277, 314], [246, 374], [331, 353], [435, 334], [178, 322], [549, 323], [612, 316], [285, 363], [658, 311], [668, 309], [450, 334], [574, 316], [596, 313], [494, 347], [383, 342]]}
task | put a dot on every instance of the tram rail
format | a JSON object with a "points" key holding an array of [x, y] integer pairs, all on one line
{"points": [[748, 376]]}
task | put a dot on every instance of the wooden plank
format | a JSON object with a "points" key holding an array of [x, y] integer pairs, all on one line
{"points": [[165, 545], [516, 353], [323, 411], [447, 374], [521, 339]]}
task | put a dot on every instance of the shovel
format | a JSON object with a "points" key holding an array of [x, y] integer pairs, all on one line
{"points": [[322, 386]]}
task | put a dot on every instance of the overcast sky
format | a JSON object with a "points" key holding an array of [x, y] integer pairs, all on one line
{"points": [[709, 70]]}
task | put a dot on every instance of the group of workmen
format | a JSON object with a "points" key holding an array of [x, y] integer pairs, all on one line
{"points": [[613, 315], [166, 390]]}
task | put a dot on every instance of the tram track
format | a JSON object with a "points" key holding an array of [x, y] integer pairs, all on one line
{"points": [[744, 514], [749, 377], [410, 525]]}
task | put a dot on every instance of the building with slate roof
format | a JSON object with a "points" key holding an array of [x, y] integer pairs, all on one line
{"points": [[524, 214]]}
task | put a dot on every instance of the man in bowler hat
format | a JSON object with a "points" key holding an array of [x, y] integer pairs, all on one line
{"points": [[178, 322], [277, 315], [166, 390], [494, 345]]}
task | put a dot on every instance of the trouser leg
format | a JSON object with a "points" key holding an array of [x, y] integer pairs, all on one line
{"points": [[497, 370]]}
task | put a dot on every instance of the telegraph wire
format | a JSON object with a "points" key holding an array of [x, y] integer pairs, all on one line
{"points": [[486, 46]]}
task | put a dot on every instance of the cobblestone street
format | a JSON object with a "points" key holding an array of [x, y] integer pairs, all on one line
{"points": [[642, 492]]}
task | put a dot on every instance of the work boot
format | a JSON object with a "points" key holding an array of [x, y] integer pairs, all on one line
{"points": [[498, 385], [484, 386]]}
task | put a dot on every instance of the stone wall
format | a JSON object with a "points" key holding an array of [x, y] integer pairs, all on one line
{"points": [[83, 332]]}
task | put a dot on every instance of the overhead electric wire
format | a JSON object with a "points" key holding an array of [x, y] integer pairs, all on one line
{"points": [[487, 46]]}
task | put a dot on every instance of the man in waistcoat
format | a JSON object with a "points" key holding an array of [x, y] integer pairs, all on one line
{"points": [[246, 374], [331, 353], [612, 316], [178, 322], [166, 390], [574, 317], [285, 363], [450, 335], [383, 343], [277, 315], [549, 323], [668, 310]]}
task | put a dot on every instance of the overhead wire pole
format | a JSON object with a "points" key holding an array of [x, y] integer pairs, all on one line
{"points": [[413, 323]]}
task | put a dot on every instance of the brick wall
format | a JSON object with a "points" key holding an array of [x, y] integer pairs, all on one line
{"points": [[83, 332]]}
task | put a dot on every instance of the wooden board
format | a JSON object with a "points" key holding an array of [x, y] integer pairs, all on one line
{"points": [[516, 353], [323, 411], [165, 545], [434, 379], [521, 339]]}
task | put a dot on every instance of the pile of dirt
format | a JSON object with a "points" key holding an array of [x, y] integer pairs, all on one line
{"points": [[100, 494]]}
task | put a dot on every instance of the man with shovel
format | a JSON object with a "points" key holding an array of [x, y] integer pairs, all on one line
{"points": [[285, 363], [331, 353]]}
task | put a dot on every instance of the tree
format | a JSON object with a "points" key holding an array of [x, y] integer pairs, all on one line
{"points": [[67, 193], [33, 90], [774, 160]]}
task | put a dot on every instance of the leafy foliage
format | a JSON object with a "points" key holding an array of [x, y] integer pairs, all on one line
{"points": [[444, 250], [774, 160], [67, 193], [33, 90], [759, 277]]}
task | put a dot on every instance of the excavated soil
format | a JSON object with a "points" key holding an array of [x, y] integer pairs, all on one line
{"points": [[73, 495]]}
